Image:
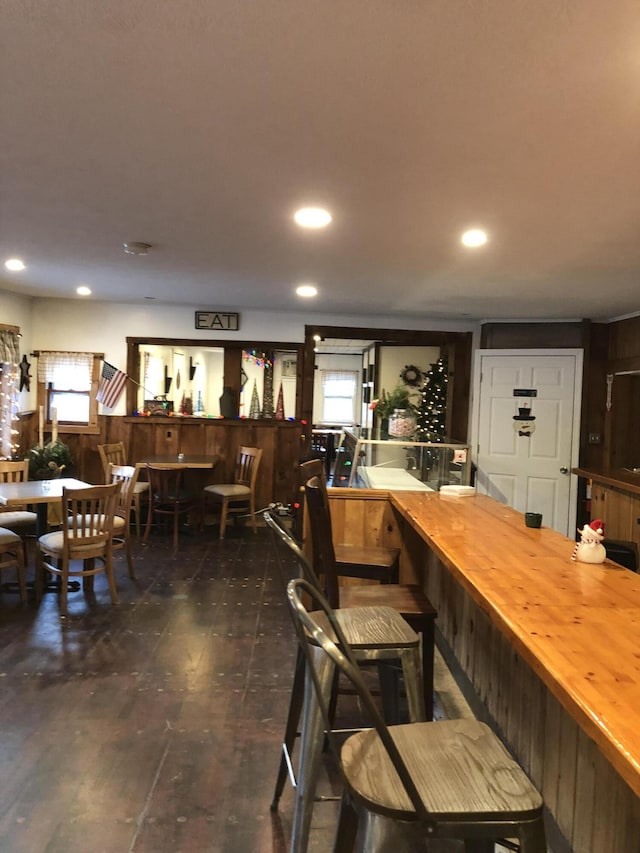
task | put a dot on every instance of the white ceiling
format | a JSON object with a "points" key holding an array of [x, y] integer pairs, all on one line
{"points": [[199, 126]]}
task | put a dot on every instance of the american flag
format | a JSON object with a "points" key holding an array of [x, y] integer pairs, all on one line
{"points": [[112, 382]]}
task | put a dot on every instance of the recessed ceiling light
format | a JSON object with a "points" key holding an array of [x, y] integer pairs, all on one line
{"points": [[474, 237], [14, 264], [312, 217], [307, 290], [83, 290], [136, 248]]}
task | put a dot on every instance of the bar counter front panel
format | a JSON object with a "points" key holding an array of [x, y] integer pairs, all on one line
{"points": [[551, 646]]}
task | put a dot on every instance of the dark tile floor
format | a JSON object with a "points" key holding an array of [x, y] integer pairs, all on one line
{"points": [[153, 726]]}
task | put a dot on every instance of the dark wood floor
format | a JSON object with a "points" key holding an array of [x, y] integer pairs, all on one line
{"points": [[153, 726]]}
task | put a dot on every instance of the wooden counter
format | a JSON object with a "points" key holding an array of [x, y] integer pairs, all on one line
{"points": [[551, 646]]}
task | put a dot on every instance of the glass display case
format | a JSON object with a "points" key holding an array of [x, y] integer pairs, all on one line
{"points": [[409, 465]]}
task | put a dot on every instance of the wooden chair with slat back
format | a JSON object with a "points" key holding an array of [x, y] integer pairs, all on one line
{"points": [[447, 779], [85, 537], [168, 498], [18, 519], [116, 454], [238, 497], [369, 562]]}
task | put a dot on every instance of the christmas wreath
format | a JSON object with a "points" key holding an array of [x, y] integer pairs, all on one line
{"points": [[411, 375]]}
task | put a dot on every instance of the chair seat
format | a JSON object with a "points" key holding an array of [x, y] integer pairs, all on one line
{"points": [[228, 490], [17, 518], [8, 537], [407, 599], [461, 770], [371, 627], [362, 555], [53, 543], [118, 523], [139, 488]]}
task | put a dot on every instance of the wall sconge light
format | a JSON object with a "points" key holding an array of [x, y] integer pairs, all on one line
{"points": [[192, 369]]}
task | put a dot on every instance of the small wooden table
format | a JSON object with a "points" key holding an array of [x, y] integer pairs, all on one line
{"points": [[41, 493], [184, 462]]}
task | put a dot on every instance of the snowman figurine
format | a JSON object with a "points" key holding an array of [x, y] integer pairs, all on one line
{"points": [[590, 548]]}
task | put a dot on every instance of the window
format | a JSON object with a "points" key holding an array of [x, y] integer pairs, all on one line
{"points": [[67, 385], [339, 396]]}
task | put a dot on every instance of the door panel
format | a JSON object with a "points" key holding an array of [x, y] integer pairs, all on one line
{"points": [[525, 470]]}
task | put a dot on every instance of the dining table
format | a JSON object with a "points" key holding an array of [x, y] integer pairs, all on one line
{"points": [[40, 493]]}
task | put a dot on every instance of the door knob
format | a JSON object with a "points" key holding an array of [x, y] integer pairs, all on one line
{"points": [[564, 470]]}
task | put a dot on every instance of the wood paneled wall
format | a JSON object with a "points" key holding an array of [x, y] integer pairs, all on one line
{"points": [[280, 441]]}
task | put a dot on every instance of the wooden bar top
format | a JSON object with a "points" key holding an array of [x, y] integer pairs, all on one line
{"points": [[577, 625]]}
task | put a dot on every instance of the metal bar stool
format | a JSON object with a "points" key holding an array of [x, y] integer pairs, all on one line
{"points": [[409, 783], [376, 634]]}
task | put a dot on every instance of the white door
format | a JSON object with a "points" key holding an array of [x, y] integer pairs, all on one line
{"points": [[527, 429]]}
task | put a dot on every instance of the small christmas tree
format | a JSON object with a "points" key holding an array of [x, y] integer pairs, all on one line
{"points": [[432, 409], [254, 410]]}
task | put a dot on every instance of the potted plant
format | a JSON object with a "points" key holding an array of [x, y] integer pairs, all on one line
{"points": [[49, 461], [398, 398]]}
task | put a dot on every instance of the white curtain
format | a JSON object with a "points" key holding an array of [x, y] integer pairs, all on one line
{"points": [[9, 358], [69, 370]]}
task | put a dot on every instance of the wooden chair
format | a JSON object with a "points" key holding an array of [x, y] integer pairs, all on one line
{"points": [[127, 477], [12, 557], [86, 536], [408, 599], [18, 519], [116, 454], [239, 496], [370, 562], [450, 779], [376, 634], [168, 499]]}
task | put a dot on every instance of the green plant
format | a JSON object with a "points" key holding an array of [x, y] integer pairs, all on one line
{"points": [[398, 398], [49, 462]]}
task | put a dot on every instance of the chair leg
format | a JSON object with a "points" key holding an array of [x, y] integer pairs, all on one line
{"points": [[310, 752], [412, 670], [176, 525], [223, 516], [127, 548], [136, 509], [147, 529], [252, 510], [22, 584], [39, 574], [347, 827], [108, 569], [291, 728], [64, 590], [532, 837]]}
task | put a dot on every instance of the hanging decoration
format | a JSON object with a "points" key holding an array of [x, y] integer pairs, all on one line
{"points": [[524, 422], [280, 405], [412, 376], [25, 376], [258, 358], [267, 400], [254, 410]]}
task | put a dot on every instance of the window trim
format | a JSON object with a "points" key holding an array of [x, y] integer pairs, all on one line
{"points": [[89, 428]]}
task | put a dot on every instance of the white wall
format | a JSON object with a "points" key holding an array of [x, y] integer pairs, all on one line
{"points": [[17, 310], [104, 326]]}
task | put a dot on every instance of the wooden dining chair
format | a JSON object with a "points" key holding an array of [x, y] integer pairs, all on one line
{"points": [[239, 496], [408, 599], [19, 519], [116, 454], [126, 476], [377, 634], [12, 557], [449, 779], [85, 539], [168, 498], [369, 562]]}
